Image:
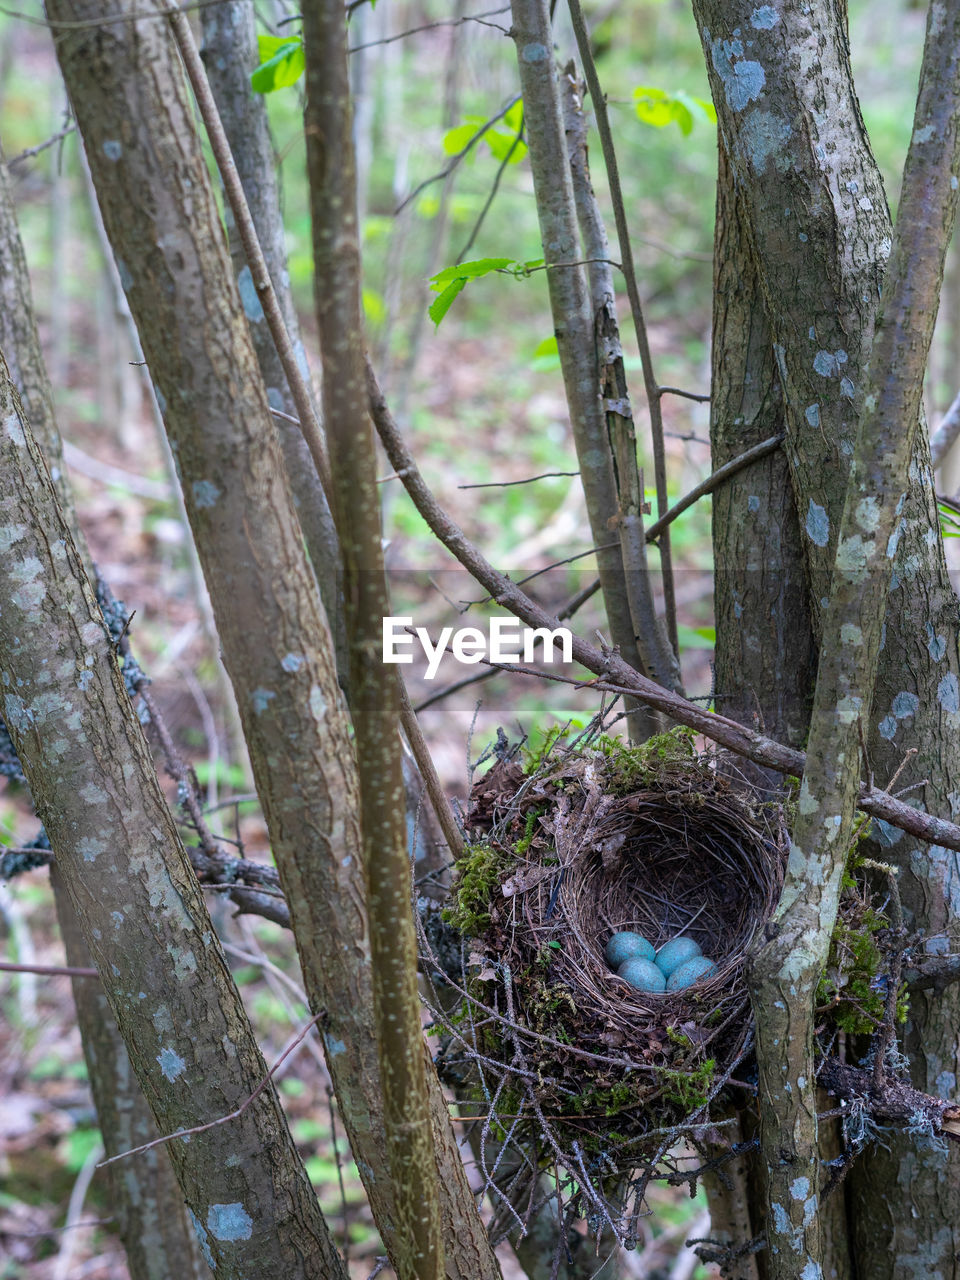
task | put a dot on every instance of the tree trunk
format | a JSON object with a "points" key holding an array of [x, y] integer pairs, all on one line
{"points": [[142, 913], [161, 216], [816, 216], [375, 699], [230, 54], [149, 1208], [573, 319], [765, 654]]}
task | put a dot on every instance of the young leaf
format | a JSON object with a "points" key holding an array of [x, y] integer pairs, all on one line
{"points": [[659, 108], [504, 145], [653, 106], [469, 271], [546, 356], [441, 304], [283, 67]]}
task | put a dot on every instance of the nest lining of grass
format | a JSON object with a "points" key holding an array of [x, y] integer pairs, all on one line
{"points": [[602, 1079]]}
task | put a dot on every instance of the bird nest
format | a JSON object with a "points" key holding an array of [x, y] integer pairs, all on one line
{"points": [[563, 853]]}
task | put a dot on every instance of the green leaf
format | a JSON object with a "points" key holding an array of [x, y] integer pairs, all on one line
{"points": [[684, 118], [503, 145], [514, 117], [469, 271], [696, 637], [653, 106], [697, 106], [441, 304], [454, 140], [659, 108], [284, 65], [546, 356]]}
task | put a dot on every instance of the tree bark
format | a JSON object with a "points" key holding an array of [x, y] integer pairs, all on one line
{"points": [[129, 880], [374, 702], [573, 319], [161, 216], [230, 54], [146, 1199], [816, 216], [765, 660], [149, 1208]]}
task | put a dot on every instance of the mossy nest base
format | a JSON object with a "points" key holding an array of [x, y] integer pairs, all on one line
{"points": [[651, 839]]}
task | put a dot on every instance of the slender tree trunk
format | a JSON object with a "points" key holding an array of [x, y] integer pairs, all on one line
{"points": [[650, 633], [161, 216], [375, 703], [815, 213], [230, 54], [573, 318], [156, 1234], [128, 877], [765, 654]]}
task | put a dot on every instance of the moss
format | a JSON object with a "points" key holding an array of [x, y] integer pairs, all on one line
{"points": [[607, 1102], [535, 756], [852, 987], [632, 767], [478, 872], [689, 1089], [529, 827], [546, 1008]]}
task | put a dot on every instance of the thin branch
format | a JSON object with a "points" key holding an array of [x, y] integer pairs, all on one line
{"points": [[428, 772], [687, 395], [48, 970], [945, 436], [491, 196], [614, 675], [443, 22], [713, 482], [233, 190], [453, 688], [42, 146], [636, 308], [506, 484], [107, 20], [455, 159], [233, 1115]]}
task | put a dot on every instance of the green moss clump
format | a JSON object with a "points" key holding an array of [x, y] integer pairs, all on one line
{"points": [[849, 988], [478, 871], [630, 768], [689, 1089], [529, 826], [607, 1102]]}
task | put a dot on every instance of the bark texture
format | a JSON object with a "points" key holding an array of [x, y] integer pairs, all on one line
{"points": [[161, 216], [765, 660], [149, 1207], [573, 320], [815, 214], [128, 877], [375, 701], [230, 54], [145, 1197]]}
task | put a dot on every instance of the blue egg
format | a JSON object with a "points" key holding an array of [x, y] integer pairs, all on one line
{"points": [[642, 975], [691, 971], [674, 952], [626, 945]]}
